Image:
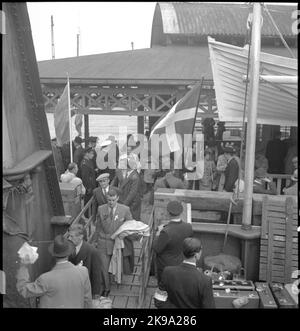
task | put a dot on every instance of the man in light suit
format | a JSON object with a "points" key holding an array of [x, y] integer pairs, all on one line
{"points": [[100, 193], [86, 255], [109, 218], [127, 180], [65, 286], [188, 287]]}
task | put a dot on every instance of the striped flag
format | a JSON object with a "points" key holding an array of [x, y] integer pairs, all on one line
{"points": [[62, 117], [78, 123], [180, 119]]}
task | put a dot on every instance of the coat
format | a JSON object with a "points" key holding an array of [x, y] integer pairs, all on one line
{"points": [[168, 245], [100, 199], [105, 227], [231, 175], [65, 286], [91, 260], [187, 287], [88, 176], [130, 191]]}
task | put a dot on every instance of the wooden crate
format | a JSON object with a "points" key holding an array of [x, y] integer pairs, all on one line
{"points": [[279, 239]]}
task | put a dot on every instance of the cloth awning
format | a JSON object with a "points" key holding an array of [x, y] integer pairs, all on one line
{"points": [[277, 102]]}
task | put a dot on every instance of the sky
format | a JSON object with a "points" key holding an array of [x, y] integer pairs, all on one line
{"points": [[104, 27]]}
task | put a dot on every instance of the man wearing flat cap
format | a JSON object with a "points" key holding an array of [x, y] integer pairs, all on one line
{"points": [[100, 192], [168, 243], [65, 286], [232, 169], [88, 173]]}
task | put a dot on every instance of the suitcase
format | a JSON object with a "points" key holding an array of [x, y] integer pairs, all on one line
{"points": [[241, 285], [293, 295], [265, 295], [225, 298], [282, 297]]}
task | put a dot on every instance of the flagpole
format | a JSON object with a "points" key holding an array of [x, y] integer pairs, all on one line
{"points": [[70, 123]]}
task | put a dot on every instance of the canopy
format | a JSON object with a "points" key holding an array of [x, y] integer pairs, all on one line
{"points": [[277, 102]]}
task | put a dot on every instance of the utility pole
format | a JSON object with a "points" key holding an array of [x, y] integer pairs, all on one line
{"points": [[52, 38], [78, 41], [132, 45]]}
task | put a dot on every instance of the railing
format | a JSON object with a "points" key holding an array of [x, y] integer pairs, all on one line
{"points": [[279, 180], [85, 217], [146, 258]]}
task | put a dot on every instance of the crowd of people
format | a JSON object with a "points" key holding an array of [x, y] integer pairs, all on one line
{"points": [[83, 271]]}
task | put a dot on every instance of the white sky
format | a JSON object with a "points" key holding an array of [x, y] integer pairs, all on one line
{"points": [[104, 27]]}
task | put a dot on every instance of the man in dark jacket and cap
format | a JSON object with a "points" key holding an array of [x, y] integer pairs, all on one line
{"points": [[232, 169], [88, 173], [168, 243]]}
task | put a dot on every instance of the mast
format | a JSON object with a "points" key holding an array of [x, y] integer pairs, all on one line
{"points": [[52, 38], [252, 114]]}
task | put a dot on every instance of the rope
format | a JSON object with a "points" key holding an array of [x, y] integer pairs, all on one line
{"points": [[278, 31]]}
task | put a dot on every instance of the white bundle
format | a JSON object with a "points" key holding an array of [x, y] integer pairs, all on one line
{"points": [[28, 253]]}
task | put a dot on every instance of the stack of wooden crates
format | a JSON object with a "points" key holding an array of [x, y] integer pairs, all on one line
{"points": [[279, 240]]}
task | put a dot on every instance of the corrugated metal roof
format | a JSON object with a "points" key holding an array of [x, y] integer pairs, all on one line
{"points": [[157, 63], [221, 18]]}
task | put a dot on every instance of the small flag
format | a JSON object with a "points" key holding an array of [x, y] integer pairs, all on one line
{"points": [[180, 119]]}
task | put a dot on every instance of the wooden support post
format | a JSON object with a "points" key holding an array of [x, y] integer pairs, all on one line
{"points": [[140, 121], [86, 130], [252, 114]]}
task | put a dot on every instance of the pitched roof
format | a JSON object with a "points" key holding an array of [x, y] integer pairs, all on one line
{"points": [[167, 64], [203, 19]]}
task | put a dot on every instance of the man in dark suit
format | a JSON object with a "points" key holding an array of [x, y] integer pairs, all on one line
{"points": [[100, 192], [231, 171], [168, 244], [109, 218], [127, 180], [86, 255], [188, 287], [78, 153], [88, 173]]}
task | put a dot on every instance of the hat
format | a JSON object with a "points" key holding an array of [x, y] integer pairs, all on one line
{"points": [[78, 140], [174, 208], [260, 172], [295, 176], [112, 138], [102, 176], [61, 247], [87, 150], [228, 149], [106, 143], [92, 139]]}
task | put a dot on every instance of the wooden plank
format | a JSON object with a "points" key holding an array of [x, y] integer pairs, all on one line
{"points": [[270, 252], [276, 261], [264, 220], [279, 243], [289, 240], [120, 301], [132, 302], [277, 255]]}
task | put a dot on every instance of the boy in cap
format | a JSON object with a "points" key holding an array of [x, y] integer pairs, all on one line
{"points": [[100, 193], [232, 169], [65, 286], [168, 243]]}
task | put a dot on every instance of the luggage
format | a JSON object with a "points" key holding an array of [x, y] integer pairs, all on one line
{"points": [[293, 292], [241, 285], [282, 297], [236, 299], [265, 295]]}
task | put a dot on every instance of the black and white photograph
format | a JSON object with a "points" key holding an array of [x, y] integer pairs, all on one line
{"points": [[150, 159]]}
